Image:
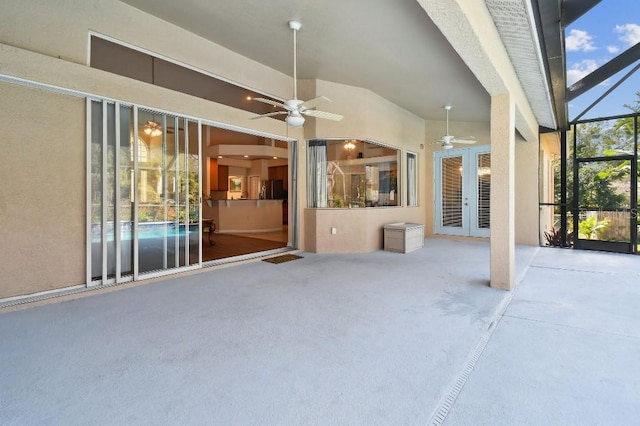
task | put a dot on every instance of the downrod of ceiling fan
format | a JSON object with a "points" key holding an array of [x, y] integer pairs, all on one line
{"points": [[295, 26], [447, 108]]}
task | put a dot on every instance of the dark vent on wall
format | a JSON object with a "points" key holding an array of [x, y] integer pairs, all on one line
{"points": [[122, 60]]}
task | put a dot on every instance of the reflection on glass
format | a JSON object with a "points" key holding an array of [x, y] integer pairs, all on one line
{"points": [[126, 196], [96, 190], [168, 203], [352, 174]]}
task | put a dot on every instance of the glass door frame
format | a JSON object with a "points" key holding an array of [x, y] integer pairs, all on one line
{"points": [[469, 190], [630, 247], [116, 278]]}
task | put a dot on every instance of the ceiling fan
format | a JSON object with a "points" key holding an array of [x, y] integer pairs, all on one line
{"points": [[295, 108], [448, 140]]}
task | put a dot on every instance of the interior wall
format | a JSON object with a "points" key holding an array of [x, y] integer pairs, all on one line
{"points": [[42, 199]]}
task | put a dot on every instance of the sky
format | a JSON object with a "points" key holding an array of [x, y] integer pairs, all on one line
{"points": [[598, 36]]}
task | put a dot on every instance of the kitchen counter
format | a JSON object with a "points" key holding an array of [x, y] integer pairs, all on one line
{"points": [[245, 215]]}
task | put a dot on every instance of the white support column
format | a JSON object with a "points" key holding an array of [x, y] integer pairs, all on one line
{"points": [[502, 192]]}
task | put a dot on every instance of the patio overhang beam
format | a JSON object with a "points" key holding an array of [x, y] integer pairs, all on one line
{"points": [[612, 67], [574, 9], [548, 16]]}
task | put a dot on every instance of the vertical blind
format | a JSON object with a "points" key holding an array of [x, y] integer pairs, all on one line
{"points": [[412, 180], [452, 191], [484, 190], [317, 181]]}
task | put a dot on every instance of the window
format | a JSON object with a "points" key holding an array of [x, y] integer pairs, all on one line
{"points": [[350, 173], [412, 179]]}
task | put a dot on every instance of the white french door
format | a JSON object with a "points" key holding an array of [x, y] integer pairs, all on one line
{"points": [[463, 191]]}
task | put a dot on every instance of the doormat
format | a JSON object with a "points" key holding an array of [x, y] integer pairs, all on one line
{"points": [[283, 258]]}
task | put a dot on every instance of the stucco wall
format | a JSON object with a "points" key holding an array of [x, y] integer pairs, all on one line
{"points": [[526, 197], [526, 179], [357, 230], [48, 43], [43, 240], [42, 196], [366, 116], [60, 29]]}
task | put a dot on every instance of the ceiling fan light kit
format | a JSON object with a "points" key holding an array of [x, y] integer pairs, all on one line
{"points": [[294, 108], [294, 119]]}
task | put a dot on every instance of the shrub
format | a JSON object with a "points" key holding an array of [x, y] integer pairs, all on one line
{"points": [[554, 238]]}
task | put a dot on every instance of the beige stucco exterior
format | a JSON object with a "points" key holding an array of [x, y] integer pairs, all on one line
{"points": [[43, 198]]}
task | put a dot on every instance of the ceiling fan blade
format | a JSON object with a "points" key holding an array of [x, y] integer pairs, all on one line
{"points": [[270, 102], [312, 103], [270, 114], [469, 140], [323, 114]]}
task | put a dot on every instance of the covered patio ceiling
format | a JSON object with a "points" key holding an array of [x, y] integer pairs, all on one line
{"points": [[391, 48]]}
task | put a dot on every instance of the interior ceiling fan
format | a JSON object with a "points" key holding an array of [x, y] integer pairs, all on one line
{"points": [[448, 140], [295, 108]]}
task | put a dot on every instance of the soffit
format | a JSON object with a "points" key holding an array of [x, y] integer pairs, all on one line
{"points": [[515, 22]]}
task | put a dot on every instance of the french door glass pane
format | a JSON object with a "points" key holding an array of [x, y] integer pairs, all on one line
{"points": [[484, 190], [452, 191]]}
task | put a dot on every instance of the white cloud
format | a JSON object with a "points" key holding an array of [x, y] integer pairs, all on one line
{"points": [[613, 49], [629, 33], [579, 40], [579, 70]]}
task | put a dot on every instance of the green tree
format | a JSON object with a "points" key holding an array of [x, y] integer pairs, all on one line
{"points": [[596, 186]]}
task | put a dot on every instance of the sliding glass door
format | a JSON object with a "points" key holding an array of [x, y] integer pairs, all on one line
{"points": [[143, 192]]}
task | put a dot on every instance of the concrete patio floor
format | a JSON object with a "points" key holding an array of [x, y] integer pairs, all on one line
{"points": [[378, 338]]}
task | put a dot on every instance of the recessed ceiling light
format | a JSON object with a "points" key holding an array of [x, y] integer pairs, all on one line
{"points": [[219, 156], [275, 158], [246, 156], [248, 98]]}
